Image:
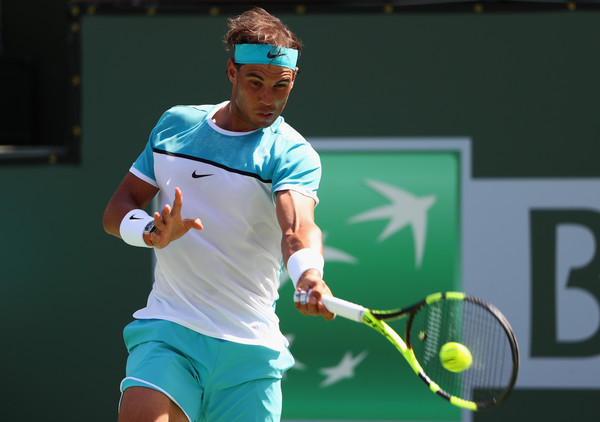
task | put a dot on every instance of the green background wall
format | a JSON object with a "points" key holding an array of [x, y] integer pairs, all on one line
{"points": [[523, 86]]}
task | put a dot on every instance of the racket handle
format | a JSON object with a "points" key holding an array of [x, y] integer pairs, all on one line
{"points": [[343, 308]]}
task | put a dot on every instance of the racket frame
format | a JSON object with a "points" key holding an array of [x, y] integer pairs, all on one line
{"points": [[376, 320]]}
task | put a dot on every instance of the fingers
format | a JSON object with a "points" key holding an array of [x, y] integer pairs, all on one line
{"points": [[177, 203], [169, 214], [166, 214], [308, 302], [195, 223], [169, 224], [302, 297], [158, 222]]}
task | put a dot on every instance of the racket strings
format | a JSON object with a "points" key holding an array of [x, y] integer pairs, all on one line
{"points": [[472, 324], [490, 346]]}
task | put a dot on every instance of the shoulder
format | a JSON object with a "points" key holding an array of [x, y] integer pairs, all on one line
{"points": [[183, 116], [178, 121], [287, 139], [282, 130], [292, 155]]}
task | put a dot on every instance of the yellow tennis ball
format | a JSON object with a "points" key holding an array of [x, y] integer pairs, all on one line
{"points": [[455, 357]]}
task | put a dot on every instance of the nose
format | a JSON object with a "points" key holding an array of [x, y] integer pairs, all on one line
{"points": [[266, 96]]}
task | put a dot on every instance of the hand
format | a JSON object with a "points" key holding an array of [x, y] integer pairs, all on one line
{"points": [[169, 224], [312, 284]]}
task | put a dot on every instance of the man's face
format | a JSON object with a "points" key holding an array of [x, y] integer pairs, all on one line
{"points": [[260, 93]]}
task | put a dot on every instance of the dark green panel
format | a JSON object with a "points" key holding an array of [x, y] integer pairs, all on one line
{"points": [[67, 289], [526, 97], [523, 86], [545, 405]]}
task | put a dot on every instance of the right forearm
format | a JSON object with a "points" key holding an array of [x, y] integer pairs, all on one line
{"points": [[131, 194], [114, 214]]}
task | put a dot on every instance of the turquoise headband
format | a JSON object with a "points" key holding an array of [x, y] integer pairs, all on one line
{"points": [[266, 54]]}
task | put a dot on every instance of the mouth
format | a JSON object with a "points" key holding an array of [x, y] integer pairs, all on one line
{"points": [[266, 115]]}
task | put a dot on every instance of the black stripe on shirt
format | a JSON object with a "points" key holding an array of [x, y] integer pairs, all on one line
{"points": [[212, 163]]}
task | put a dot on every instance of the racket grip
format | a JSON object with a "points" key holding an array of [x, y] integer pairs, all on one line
{"points": [[343, 308]]}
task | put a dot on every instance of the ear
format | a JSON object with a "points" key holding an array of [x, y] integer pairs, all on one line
{"points": [[294, 77], [231, 70]]}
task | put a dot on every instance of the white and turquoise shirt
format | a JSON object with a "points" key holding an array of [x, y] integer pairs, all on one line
{"points": [[222, 281]]}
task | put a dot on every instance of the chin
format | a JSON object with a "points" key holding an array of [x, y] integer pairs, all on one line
{"points": [[265, 123]]}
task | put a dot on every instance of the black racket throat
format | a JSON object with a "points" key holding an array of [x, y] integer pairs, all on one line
{"points": [[391, 314]]}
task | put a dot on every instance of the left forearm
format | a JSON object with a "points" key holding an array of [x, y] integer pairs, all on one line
{"points": [[301, 237]]}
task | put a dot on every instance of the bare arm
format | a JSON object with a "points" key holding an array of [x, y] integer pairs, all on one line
{"points": [[134, 193], [295, 213]]}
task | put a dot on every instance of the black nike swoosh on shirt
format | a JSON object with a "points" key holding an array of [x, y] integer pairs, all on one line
{"points": [[198, 176]]}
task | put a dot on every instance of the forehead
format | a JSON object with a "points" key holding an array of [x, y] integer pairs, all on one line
{"points": [[266, 71]]}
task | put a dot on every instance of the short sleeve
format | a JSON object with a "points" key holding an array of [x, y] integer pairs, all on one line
{"points": [[298, 169]]}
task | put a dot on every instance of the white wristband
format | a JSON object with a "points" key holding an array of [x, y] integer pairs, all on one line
{"points": [[132, 227], [303, 260]]}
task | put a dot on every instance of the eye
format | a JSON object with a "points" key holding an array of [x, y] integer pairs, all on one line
{"points": [[283, 84]]}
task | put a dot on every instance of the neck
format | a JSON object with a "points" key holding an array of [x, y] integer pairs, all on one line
{"points": [[227, 118]]}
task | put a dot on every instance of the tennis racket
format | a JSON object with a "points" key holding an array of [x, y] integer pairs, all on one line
{"points": [[439, 319]]}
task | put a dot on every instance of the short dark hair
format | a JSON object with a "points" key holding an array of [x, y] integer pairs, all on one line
{"points": [[257, 26]]}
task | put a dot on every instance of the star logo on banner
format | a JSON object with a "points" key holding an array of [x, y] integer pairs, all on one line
{"points": [[404, 210], [344, 369], [330, 254]]}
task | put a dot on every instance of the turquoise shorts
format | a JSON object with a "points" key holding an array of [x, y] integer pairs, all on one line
{"points": [[208, 378]]}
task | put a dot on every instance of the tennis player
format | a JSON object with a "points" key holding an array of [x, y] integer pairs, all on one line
{"points": [[207, 347]]}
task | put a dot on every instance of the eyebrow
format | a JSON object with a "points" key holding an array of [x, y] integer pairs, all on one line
{"points": [[257, 76]]}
